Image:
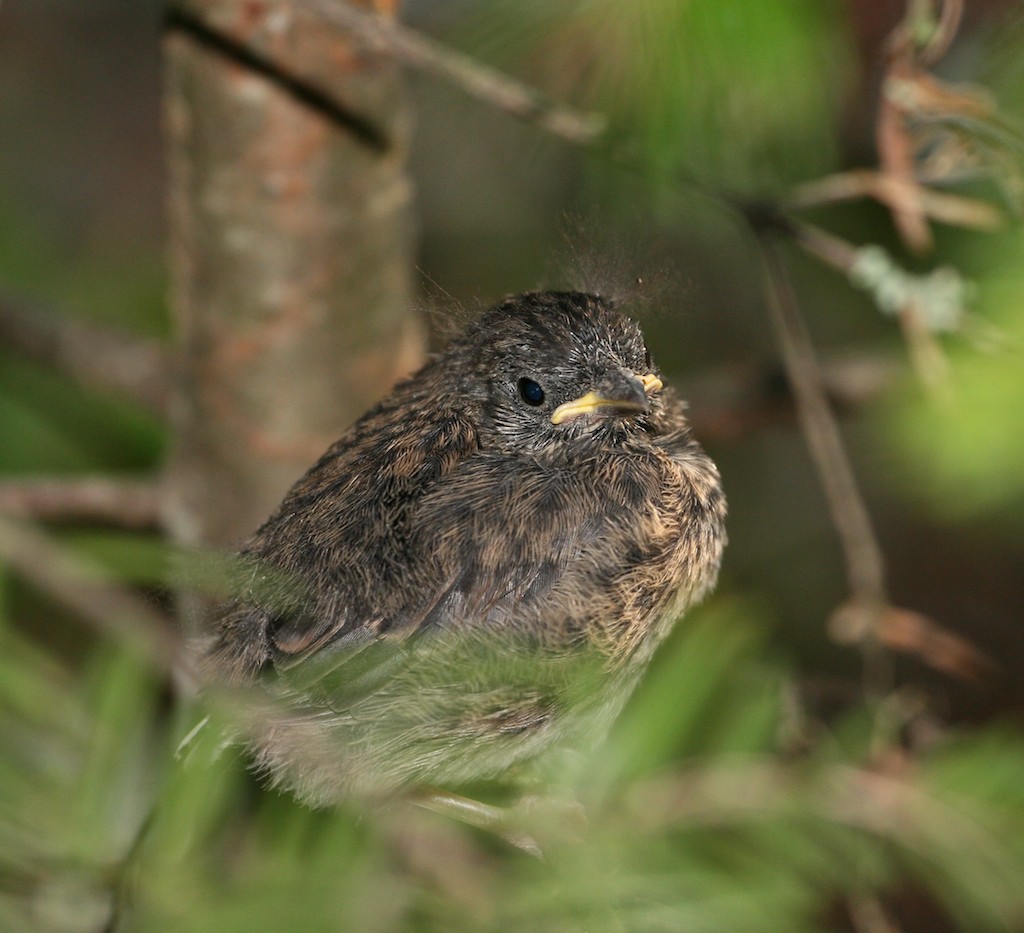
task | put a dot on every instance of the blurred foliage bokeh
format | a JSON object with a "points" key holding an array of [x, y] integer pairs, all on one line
{"points": [[753, 783]]}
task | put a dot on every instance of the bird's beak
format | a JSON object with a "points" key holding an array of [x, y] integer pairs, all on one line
{"points": [[651, 383], [626, 395]]}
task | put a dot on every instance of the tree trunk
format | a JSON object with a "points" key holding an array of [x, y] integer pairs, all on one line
{"points": [[291, 242]]}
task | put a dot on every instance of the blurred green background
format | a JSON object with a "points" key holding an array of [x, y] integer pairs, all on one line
{"points": [[746, 98]]}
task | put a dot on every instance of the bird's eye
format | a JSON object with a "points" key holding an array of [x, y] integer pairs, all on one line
{"points": [[531, 391], [648, 363]]}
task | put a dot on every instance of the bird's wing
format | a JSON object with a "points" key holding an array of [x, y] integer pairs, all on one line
{"points": [[487, 548], [336, 567]]}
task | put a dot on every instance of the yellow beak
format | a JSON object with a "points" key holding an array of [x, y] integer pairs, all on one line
{"points": [[591, 402], [651, 383]]}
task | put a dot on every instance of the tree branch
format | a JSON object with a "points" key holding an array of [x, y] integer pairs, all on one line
{"points": [[889, 190], [97, 357], [486, 84], [123, 503], [91, 592], [865, 567]]}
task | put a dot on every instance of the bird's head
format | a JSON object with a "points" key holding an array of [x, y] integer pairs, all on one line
{"points": [[555, 367]]}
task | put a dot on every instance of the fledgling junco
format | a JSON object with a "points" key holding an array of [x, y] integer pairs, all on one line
{"points": [[482, 566]]}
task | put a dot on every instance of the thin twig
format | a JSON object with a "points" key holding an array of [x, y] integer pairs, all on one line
{"points": [[97, 357], [945, 31], [926, 354], [123, 503], [920, 636], [830, 249], [93, 594], [891, 190], [865, 573], [382, 34], [865, 568]]}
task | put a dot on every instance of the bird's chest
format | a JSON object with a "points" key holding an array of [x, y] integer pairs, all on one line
{"points": [[657, 550]]}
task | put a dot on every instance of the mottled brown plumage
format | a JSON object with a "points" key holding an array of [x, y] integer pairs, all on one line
{"points": [[481, 567]]}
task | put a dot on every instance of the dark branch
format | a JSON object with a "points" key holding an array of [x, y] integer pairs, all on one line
{"points": [[306, 91]]}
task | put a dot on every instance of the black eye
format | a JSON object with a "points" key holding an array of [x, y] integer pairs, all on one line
{"points": [[647, 359], [531, 391]]}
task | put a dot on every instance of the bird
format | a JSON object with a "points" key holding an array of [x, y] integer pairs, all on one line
{"points": [[480, 569]]}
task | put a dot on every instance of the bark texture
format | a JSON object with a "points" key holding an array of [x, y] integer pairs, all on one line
{"points": [[291, 252]]}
